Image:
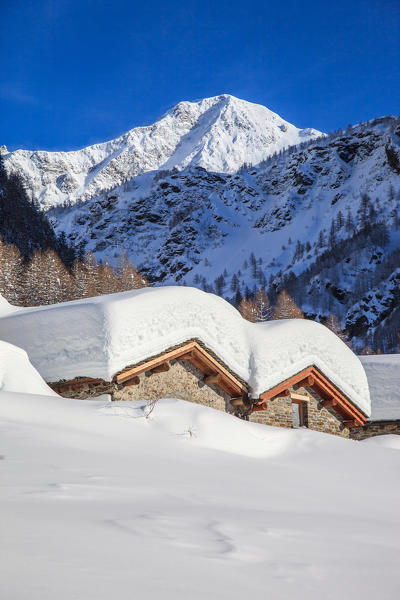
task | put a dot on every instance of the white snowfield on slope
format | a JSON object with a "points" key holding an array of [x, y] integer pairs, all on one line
{"points": [[219, 134], [97, 337]]}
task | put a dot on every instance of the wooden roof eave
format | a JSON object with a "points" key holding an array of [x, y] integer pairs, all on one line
{"points": [[312, 377], [201, 359]]}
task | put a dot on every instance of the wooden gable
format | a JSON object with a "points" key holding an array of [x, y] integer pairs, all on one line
{"points": [[331, 396], [214, 371]]}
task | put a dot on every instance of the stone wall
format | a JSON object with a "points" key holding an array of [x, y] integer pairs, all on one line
{"points": [[182, 381], [375, 428], [279, 414], [185, 381], [82, 388]]}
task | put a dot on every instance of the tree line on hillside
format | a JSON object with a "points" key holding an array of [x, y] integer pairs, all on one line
{"points": [[257, 308], [45, 279]]}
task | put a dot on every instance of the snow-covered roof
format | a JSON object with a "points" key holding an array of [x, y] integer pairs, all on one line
{"points": [[97, 337], [383, 373], [18, 375]]}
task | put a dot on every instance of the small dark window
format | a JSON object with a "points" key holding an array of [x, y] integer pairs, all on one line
{"points": [[299, 414]]}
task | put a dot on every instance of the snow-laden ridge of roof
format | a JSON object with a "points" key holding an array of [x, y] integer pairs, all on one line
{"points": [[97, 337]]}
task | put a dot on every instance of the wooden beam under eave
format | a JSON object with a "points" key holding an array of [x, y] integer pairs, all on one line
{"points": [[332, 403], [213, 378], [282, 394], [325, 388], [199, 358], [162, 368], [135, 380], [350, 423], [285, 385], [150, 364], [237, 402], [259, 406], [306, 382], [213, 366]]}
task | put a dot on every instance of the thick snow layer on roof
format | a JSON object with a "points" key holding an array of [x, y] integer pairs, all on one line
{"points": [[383, 373], [17, 374], [97, 337]]}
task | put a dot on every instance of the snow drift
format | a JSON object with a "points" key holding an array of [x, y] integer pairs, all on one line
{"points": [[97, 337], [98, 504], [17, 374]]}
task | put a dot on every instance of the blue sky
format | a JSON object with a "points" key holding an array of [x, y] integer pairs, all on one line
{"points": [[74, 72]]}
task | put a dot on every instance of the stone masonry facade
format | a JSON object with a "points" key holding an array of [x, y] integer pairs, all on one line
{"points": [[183, 381], [279, 414], [375, 428]]}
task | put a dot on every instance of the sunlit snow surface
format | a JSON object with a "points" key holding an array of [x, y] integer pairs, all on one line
{"points": [[98, 502], [97, 337], [383, 373], [17, 374]]}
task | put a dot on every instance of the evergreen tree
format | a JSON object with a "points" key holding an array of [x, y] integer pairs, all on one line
{"points": [[332, 234], [220, 284], [349, 222], [321, 240], [262, 306], [237, 299], [234, 283], [339, 221]]}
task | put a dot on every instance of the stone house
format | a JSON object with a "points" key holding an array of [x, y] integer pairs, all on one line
{"points": [[184, 343], [192, 372]]}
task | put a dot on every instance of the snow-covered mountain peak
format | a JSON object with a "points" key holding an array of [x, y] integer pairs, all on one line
{"points": [[220, 133]]}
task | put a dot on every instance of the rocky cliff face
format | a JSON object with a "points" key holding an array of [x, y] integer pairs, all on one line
{"points": [[320, 219]]}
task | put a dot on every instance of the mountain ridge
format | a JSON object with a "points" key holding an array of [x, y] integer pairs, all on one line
{"points": [[218, 133]]}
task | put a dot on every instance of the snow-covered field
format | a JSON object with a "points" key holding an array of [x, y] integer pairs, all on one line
{"points": [[98, 502]]}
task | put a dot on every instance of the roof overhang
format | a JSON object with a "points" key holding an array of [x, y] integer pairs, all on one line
{"points": [[331, 396], [213, 369]]}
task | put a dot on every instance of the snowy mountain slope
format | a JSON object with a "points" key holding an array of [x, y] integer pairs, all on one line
{"points": [[97, 502], [219, 134], [302, 214]]}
